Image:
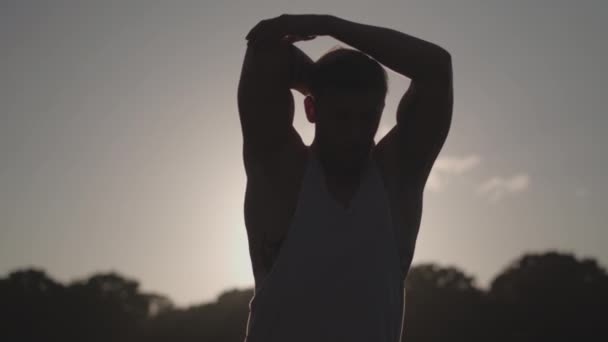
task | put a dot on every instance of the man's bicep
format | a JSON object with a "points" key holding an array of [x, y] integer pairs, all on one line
{"points": [[424, 118], [265, 101]]}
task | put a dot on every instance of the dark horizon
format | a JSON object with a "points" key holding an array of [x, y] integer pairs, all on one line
{"points": [[526, 301]]}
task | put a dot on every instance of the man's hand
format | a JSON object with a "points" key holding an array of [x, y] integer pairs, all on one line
{"points": [[289, 28]]}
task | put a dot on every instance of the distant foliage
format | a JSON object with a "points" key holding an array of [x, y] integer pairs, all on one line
{"points": [[105, 307], [551, 296], [539, 297], [443, 303]]}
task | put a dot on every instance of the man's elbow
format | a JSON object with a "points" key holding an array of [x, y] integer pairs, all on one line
{"points": [[444, 56], [439, 69], [443, 69]]}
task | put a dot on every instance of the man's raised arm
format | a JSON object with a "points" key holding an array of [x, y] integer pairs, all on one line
{"points": [[424, 113], [407, 55], [265, 102]]}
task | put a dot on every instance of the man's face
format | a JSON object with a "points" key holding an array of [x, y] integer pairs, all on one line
{"points": [[346, 124]]}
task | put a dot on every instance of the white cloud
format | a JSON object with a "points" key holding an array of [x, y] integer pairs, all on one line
{"points": [[447, 166], [497, 187], [455, 165]]}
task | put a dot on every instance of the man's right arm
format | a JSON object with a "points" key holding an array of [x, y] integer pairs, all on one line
{"points": [[265, 101], [266, 110], [302, 67]]}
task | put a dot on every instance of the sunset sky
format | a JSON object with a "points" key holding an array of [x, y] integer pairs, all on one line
{"points": [[121, 149]]}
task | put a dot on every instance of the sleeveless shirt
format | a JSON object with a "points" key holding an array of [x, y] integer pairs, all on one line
{"points": [[337, 277]]}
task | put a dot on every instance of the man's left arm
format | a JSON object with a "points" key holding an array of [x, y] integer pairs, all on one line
{"points": [[424, 113]]}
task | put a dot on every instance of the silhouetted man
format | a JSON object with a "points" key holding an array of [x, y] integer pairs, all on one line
{"points": [[332, 226]]}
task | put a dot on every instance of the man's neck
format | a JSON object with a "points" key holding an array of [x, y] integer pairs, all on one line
{"points": [[335, 175]]}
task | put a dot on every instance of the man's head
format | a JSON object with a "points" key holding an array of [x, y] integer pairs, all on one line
{"points": [[347, 93]]}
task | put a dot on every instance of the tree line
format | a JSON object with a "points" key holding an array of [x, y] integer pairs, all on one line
{"points": [[546, 296]]}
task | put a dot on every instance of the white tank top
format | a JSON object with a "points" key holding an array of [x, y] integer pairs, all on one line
{"points": [[337, 277]]}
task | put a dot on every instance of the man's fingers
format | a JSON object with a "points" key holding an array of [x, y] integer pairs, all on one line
{"points": [[294, 38], [277, 28]]}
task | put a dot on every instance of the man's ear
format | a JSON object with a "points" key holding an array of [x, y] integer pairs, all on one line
{"points": [[309, 108]]}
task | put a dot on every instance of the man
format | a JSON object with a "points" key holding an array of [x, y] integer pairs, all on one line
{"points": [[332, 226]]}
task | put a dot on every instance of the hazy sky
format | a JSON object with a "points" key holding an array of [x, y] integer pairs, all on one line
{"points": [[121, 149]]}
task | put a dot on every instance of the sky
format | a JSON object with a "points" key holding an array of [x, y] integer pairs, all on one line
{"points": [[121, 149]]}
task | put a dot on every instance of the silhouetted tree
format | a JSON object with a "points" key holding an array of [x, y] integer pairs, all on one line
{"points": [[550, 296], [31, 306], [222, 320], [539, 297], [442, 303], [105, 307]]}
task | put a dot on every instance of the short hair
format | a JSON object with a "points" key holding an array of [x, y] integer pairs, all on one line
{"points": [[347, 70]]}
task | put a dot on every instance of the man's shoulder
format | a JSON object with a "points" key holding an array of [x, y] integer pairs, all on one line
{"points": [[396, 181]]}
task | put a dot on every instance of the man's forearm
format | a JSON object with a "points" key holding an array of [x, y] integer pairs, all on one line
{"points": [[282, 61], [407, 55], [301, 65]]}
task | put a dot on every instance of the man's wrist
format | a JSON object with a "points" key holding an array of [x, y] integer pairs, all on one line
{"points": [[328, 24], [337, 27]]}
